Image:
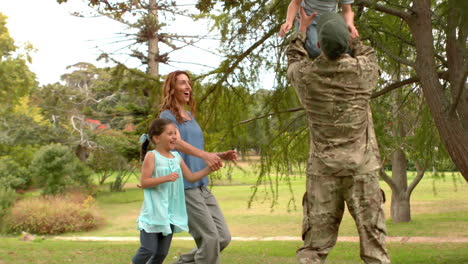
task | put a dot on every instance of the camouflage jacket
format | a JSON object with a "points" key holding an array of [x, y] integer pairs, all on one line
{"points": [[335, 95]]}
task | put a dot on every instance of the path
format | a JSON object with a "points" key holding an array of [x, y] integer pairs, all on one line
{"points": [[282, 238]]}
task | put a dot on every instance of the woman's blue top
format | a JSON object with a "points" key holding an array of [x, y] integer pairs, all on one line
{"points": [[191, 133]]}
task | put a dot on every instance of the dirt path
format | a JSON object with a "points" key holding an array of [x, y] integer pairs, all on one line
{"points": [[283, 238]]}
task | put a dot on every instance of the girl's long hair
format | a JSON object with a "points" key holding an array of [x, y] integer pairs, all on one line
{"points": [[169, 101], [155, 129]]}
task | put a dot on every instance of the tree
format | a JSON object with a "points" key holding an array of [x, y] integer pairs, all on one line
{"points": [[55, 169], [16, 80], [152, 39], [250, 37], [447, 104]]}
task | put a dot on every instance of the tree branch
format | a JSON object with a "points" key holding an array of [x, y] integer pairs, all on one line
{"points": [[237, 62], [382, 8], [402, 39], [396, 85], [393, 55], [292, 110], [459, 93], [420, 170], [387, 179]]}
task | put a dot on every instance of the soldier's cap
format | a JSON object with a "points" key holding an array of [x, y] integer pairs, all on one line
{"points": [[333, 34]]}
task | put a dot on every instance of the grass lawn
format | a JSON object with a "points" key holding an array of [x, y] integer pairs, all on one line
{"points": [[442, 213], [55, 252], [439, 208]]}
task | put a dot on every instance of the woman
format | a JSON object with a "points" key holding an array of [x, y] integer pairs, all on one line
{"points": [[205, 219]]}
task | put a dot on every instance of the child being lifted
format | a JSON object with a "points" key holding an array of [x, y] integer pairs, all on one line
{"points": [[320, 7]]}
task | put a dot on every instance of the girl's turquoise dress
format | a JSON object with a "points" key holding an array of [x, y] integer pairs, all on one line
{"points": [[164, 204]]}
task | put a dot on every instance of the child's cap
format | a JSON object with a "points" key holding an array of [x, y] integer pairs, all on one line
{"points": [[333, 34]]}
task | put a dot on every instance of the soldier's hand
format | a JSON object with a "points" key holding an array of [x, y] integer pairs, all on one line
{"points": [[305, 20]]}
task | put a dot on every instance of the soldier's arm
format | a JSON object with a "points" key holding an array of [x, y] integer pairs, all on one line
{"points": [[297, 57], [297, 54], [296, 51], [361, 50], [365, 55]]}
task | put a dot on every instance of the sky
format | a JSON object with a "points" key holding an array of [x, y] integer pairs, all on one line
{"points": [[61, 39]]}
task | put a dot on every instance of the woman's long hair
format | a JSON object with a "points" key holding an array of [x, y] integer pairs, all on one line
{"points": [[169, 101]]}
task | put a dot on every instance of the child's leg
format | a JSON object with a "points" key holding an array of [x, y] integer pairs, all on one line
{"points": [[149, 244], [163, 245], [311, 41]]}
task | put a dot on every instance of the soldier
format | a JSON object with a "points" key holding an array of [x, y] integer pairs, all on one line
{"points": [[344, 160]]}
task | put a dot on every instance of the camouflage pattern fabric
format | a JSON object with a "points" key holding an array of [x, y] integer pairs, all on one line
{"points": [[324, 204], [344, 158], [335, 95]]}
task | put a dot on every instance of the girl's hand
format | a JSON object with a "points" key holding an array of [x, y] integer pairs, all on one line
{"points": [[172, 177], [353, 31], [213, 161], [285, 28]]}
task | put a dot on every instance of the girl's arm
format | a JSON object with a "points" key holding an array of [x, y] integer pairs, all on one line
{"points": [[193, 177], [147, 170], [293, 8], [348, 16]]}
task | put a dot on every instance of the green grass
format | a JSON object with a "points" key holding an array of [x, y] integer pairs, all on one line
{"points": [[55, 252], [441, 213]]}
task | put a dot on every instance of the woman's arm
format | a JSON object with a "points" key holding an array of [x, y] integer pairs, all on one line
{"points": [[211, 159], [146, 181], [196, 176]]}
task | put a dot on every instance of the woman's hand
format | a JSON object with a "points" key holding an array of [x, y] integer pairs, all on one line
{"points": [[213, 161]]}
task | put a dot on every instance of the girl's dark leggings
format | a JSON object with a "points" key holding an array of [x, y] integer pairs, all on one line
{"points": [[154, 246]]}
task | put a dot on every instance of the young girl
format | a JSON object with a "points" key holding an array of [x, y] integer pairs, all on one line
{"points": [[163, 212]]}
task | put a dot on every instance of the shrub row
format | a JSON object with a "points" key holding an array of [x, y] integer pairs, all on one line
{"points": [[53, 215]]}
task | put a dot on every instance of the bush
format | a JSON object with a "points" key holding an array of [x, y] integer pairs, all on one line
{"points": [[7, 199], [53, 215], [104, 162], [56, 168], [123, 175], [13, 175]]}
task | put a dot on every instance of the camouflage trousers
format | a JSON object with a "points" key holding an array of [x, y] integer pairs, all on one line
{"points": [[324, 203]]}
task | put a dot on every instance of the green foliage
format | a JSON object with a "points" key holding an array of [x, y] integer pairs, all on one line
{"points": [[15, 77], [13, 175], [53, 215], [56, 168], [122, 178], [7, 199], [114, 154]]}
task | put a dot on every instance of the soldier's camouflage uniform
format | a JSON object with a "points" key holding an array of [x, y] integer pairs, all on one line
{"points": [[344, 158]]}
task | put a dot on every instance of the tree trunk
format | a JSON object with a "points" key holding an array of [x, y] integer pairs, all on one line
{"points": [[456, 49], [153, 50], [153, 41], [450, 128], [400, 208], [82, 153]]}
